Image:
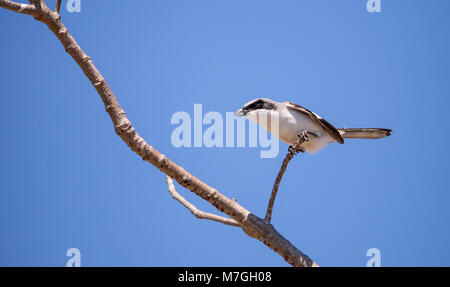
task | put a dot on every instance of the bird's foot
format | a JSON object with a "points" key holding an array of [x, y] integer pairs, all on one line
{"points": [[294, 151], [304, 135]]}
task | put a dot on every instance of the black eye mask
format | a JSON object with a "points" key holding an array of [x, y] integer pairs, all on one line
{"points": [[259, 104]]}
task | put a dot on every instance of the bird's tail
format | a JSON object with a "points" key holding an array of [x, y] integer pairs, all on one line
{"points": [[364, 133]]}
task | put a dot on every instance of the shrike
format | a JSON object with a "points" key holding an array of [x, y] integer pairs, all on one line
{"points": [[293, 120]]}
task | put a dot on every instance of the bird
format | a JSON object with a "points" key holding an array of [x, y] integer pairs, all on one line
{"points": [[295, 121]]}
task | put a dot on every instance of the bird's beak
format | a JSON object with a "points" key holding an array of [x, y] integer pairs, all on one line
{"points": [[239, 113]]}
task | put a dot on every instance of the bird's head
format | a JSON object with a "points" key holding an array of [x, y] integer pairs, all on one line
{"points": [[255, 107]]}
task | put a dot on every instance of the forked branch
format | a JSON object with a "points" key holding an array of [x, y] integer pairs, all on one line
{"points": [[252, 225]]}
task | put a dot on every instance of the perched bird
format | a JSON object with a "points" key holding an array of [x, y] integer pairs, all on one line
{"points": [[293, 120]]}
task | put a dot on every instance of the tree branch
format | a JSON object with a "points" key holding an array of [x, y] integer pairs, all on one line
{"points": [[194, 210], [291, 152], [252, 225], [18, 7], [57, 6]]}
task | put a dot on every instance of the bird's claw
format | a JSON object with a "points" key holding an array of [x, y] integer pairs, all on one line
{"points": [[291, 150], [303, 135], [294, 151]]}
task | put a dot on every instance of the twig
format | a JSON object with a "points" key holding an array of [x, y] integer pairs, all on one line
{"points": [[291, 152], [58, 6], [194, 210]]}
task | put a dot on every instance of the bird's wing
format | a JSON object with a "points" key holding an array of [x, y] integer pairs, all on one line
{"points": [[331, 130]]}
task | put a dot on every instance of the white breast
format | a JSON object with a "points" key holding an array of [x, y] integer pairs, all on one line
{"points": [[292, 123]]}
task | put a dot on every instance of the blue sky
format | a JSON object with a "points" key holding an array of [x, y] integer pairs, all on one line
{"points": [[68, 181]]}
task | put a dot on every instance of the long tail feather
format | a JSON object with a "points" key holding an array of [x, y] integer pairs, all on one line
{"points": [[364, 133]]}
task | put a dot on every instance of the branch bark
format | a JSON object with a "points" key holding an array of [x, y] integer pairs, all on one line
{"points": [[252, 225]]}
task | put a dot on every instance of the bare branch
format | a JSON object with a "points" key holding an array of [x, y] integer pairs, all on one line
{"points": [[18, 7], [194, 210], [58, 6], [292, 151], [252, 225]]}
